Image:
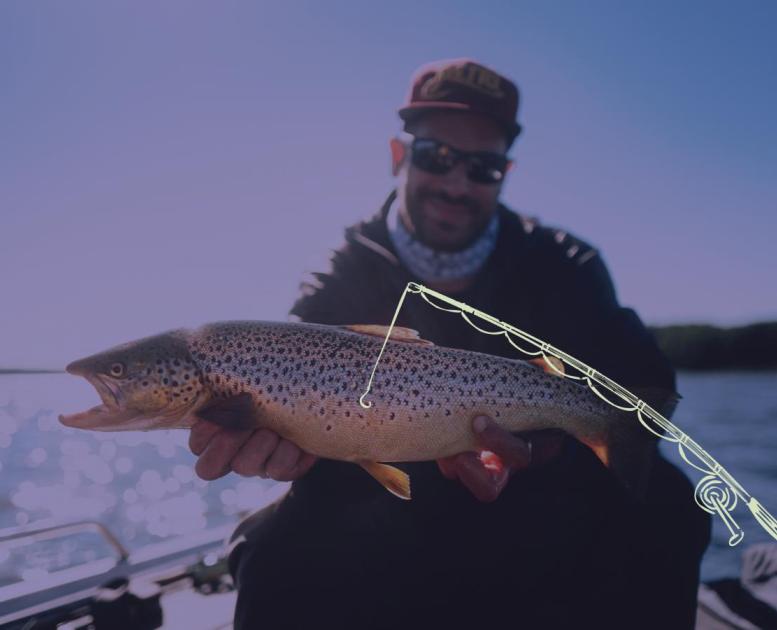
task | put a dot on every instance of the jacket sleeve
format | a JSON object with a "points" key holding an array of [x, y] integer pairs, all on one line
{"points": [[351, 291]]}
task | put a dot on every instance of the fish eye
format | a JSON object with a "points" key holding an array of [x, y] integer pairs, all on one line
{"points": [[117, 370]]}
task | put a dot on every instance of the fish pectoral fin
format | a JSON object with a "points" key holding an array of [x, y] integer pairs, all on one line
{"points": [[391, 478], [407, 335], [236, 412], [551, 365]]}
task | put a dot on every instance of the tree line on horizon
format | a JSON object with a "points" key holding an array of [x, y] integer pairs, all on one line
{"points": [[706, 347]]}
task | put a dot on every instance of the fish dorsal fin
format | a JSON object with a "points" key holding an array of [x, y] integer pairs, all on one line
{"points": [[407, 335], [550, 365]]}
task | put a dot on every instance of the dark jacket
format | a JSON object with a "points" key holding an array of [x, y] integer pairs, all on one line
{"points": [[563, 544]]}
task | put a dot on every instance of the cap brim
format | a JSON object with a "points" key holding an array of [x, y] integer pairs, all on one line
{"points": [[410, 111]]}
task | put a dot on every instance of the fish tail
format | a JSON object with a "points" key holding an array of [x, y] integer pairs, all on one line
{"points": [[628, 456]]}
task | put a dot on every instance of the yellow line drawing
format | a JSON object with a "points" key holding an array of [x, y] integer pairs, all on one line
{"points": [[717, 492]]}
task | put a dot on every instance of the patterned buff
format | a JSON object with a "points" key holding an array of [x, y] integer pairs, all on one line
{"points": [[430, 265]]}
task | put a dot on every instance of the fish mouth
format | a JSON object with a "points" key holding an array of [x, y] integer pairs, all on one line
{"points": [[109, 416], [112, 414]]}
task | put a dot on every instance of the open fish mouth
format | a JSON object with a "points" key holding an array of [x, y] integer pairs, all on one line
{"points": [[103, 417], [108, 416], [99, 418], [112, 414]]}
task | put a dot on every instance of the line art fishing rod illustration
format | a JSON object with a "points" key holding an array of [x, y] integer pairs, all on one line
{"points": [[717, 492]]}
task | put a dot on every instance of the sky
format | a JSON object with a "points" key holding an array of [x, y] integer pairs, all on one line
{"points": [[166, 164]]}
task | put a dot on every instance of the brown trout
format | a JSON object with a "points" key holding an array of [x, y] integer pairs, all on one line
{"points": [[304, 381]]}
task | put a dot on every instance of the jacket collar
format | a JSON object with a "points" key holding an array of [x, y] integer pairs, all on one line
{"points": [[373, 233]]}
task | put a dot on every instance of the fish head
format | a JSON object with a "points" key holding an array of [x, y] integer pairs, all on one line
{"points": [[152, 383]]}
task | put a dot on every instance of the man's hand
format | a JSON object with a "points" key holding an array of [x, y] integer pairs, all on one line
{"points": [[515, 453], [249, 453]]}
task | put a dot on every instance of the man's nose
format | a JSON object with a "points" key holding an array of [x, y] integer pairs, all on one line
{"points": [[456, 182]]}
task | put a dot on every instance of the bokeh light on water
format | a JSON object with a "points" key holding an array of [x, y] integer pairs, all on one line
{"points": [[140, 485]]}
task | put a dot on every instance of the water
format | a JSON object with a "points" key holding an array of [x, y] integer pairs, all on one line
{"points": [[142, 485], [733, 416]]}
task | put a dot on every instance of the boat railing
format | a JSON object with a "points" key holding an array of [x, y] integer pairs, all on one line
{"points": [[74, 584]]}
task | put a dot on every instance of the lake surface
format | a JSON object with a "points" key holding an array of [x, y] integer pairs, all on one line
{"points": [[142, 485], [733, 416]]}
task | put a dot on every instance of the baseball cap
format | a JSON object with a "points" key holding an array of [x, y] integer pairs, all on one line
{"points": [[464, 85]]}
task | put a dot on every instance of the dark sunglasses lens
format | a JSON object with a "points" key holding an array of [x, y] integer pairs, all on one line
{"points": [[429, 156], [487, 168]]}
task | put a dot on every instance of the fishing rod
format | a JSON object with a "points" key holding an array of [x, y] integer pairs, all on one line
{"points": [[716, 493]]}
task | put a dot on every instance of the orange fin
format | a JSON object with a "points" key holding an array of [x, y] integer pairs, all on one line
{"points": [[397, 334], [550, 365], [392, 479]]}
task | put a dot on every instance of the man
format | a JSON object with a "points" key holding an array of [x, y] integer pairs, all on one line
{"points": [[550, 541]]}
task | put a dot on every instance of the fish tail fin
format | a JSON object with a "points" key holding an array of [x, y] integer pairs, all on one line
{"points": [[627, 446], [626, 453]]}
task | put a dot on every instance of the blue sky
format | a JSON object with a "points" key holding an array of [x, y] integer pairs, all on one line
{"points": [[168, 164]]}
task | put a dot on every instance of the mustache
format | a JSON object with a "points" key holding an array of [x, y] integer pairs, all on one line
{"points": [[464, 201]]}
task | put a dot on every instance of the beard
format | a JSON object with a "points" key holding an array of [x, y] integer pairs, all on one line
{"points": [[445, 223]]}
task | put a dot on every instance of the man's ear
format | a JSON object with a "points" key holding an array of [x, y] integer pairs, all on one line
{"points": [[398, 155]]}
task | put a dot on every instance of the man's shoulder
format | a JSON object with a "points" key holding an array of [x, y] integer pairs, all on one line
{"points": [[549, 242]]}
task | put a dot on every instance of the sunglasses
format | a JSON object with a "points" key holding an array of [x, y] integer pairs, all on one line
{"points": [[438, 158]]}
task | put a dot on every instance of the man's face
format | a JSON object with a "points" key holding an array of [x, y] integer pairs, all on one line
{"points": [[448, 211]]}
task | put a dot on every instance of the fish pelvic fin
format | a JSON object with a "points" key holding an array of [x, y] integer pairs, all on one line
{"points": [[407, 335], [391, 478]]}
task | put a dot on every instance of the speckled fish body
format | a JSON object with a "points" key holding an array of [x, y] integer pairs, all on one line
{"points": [[304, 382]]}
